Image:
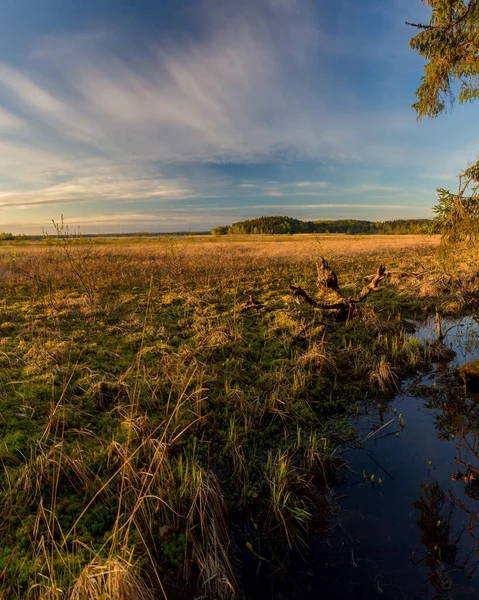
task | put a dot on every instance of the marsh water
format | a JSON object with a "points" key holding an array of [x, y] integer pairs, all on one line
{"points": [[408, 523]]}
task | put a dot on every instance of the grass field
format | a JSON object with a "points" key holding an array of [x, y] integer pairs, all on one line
{"points": [[154, 430]]}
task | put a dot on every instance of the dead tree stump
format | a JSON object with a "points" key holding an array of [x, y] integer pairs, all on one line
{"points": [[326, 277], [345, 305]]}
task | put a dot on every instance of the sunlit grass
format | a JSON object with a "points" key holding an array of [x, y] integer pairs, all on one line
{"points": [[146, 415]]}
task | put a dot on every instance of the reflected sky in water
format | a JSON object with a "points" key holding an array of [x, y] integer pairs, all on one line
{"points": [[409, 506]]}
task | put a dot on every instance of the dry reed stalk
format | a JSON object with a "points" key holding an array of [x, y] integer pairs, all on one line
{"points": [[112, 579]]}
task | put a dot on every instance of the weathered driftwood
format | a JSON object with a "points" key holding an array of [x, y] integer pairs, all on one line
{"points": [[252, 304], [398, 274], [343, 306], [301, 296], [373, 285], [326, 277], [437, 320], [302, 332]]}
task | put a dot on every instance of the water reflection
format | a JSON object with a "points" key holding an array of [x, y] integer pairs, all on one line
{"points": [[409, 520], [457, 421], [434, 522], [417, 535]]}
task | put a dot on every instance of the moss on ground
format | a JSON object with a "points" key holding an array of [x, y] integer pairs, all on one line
{"points": [[145, 417]]}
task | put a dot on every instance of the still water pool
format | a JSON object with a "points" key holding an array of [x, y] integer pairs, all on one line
{"points": [[408, 524]]}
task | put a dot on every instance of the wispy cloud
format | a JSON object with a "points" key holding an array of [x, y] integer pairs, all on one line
{"points": [[439, 176], [125, 221], [225, 98], [237, 94], [338, 205], [105, 185], [279, 194], [290, 188], [108, 116], [372, 187], [9, 122], [309, 184]]}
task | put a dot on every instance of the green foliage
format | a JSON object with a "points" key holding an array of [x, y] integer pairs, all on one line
{"points": [[349, 226], [220, 230], [444, 206], [174, 550], [450, 45], [355, 226], [270, 225], [457, 215], [142, 426], [4, 236]]}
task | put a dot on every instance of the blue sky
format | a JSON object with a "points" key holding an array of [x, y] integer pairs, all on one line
{"points": [[142, 115]]}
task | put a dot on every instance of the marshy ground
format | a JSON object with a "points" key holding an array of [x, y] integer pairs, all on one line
{"points": [[160, 436]]}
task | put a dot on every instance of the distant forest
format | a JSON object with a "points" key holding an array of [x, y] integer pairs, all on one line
{"points": [[350, 226]]}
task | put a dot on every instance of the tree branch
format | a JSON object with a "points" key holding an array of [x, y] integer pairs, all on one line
{"points": [[420, 25], [344, 305]]}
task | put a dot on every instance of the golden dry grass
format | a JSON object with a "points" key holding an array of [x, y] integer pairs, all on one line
{"points": [[105, 261], [280, 246], [138, 396]]}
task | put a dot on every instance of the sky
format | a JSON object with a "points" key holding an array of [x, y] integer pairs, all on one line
{"points": [[180, 115]]}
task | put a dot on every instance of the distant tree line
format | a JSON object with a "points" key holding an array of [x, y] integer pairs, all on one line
{"points": [[270, 225], [351, 226], [397, 226], [10, 236]]}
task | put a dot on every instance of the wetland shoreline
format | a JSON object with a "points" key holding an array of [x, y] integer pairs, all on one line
{"points": [[155, 427]]}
